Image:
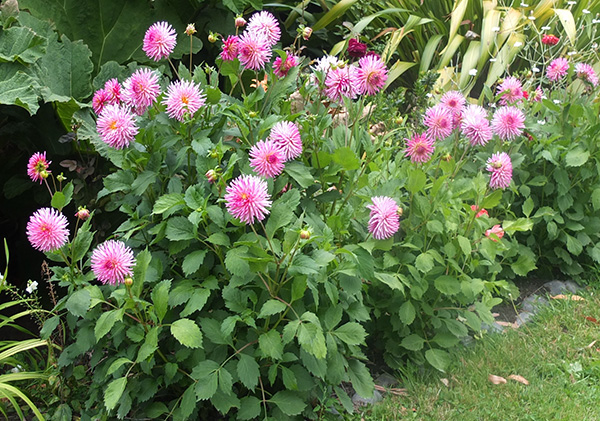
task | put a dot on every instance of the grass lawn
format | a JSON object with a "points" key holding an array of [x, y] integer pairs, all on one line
{"points": [[557, 353]]}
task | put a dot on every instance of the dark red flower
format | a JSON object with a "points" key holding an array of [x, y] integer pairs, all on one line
{"points": [[526, 94], [356, 48], [550, 39]]}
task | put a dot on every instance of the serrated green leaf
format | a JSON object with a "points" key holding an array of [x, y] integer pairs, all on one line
{"points": [[235, 263], [113, 392], [271, 307], [312, 340], [290, 403], [219, 239], [300, 173], [79, 302], [81, 244], [149, 346], [527, 207], [464, 244], [179, 228], [118, 363], [167, 202], [58, 200], [577, 157], [351, 333], [438, 358], [160, 298], [416, 181], [187, 333], [361, 379], [520, 224], [207, 386], [248, 371], [424, 262], [492, 200], [448, 285], [196, 302], [193, 261], [249, 408], [105, 323], [413, 342], [523, 265], [49, 326], [270, 344], [574, 245], [407, 313], [347, 158]]}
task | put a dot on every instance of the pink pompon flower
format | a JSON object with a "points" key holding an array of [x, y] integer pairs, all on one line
{"points": [[140, 90], [508, 122], [230, 48], [112, 261], [37, 167], [182, 98], [454, 101], [159, 41], [495, 233], [372, 74], [586, 72], [342, 82], [511, 90], [47, 229], [550, 39], [438, 121], [116, 126], [419, 148], [113, 87], [500, 166], [247, 198], [384, 219], [475, 125], [481, 212], [267, 159], [264, 24], [101, 98], [537, 95], [281, 67], [557, 69], [253, 50], [286, 137]]}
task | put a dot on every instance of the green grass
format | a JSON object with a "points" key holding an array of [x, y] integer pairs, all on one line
{"points": [[552, 353]]}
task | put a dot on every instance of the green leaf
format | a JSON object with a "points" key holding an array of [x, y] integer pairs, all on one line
{"points": [[160, 298], [523, 265], [424, 262], [300, 173], [248, 371], [249, 408], [492, 200], [149, 346], [270, 344], [361, 380], [142, 262], [271, 307], [207, 386], [527, 207], [167, 202], [596, 199], [193, 261], [290, 403], [179, 228], [577, 157], [105, 323], [390, 280], [234, 262], [49, 326], [574, 245], [351, 333], [347, 158], [219, 239], [465, 245], [416, 181], [81, 244], [188, 402], [282, 211], [310, 337], [407, 313], [58, 200], [520, 224], [113, 392], [21, 44], [447, 284], [79, 302], [187, 332], [413, 342], [19, 89], [438, 358], [213, 95], [196, 302], [118, 363]]}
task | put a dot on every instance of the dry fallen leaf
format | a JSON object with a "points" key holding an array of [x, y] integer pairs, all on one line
{"points": [[519, 379], [508, 324], [591, 319], [496, 379], [446, 382], [592, 344], [568, 297]]}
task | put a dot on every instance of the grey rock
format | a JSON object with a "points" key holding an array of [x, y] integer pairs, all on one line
{"points": [[386, 380], [467, 341], [360, 401], [533, 303], [493, 328], [561, 287], [523, 317]]}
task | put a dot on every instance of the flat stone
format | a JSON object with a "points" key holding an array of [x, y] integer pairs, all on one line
{"points": [[493, 328], [386, 380], [360, 401], [561, 287], [524, 317], [533, 303]]}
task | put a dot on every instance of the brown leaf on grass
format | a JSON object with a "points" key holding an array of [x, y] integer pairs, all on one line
{"points": [[591, 319], [496, 379], [508, 324], [592, 344], [568, 297], [519, 379], [446, 382]]}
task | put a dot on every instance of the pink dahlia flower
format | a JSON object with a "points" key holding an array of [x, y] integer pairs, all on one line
{"points": [[47, 229], [508, 122], [37, 167], [267, 159], [438, 121], [511, 90], [586, 72], [286, 137], [371, 74], [557, 69], [116, 126], [419, 148], [230, 48], [140, 90], [264, 24], [159, 41], [101, 98], [112, 261], [113, 87], [537, 94], [281, 68], [247, 198], [454, 101], [384, 220], [253, 50], [475, 125], [182, 98], [495, 233], [500, 166], [342, 82]]}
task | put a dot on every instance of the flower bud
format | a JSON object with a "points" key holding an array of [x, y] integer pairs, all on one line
{"points": [[400, 211], [212, 37], [128, 281], [399, 120], [82, 213], [306, 33], [252, 114], [305, 234], [447, 157], [190, 29], [60, 177], [239, 21], [211, 176], [44, 174]]}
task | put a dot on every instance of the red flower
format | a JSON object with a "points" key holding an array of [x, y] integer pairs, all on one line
{"points": [[550, 39], [481, 212], [526, 94], [356, 48]]}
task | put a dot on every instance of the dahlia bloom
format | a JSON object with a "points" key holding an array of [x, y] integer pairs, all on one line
{"points": [[371, 74], [438, 121], [140, 90], [495, 233], [586, 72], [454, 101], [342, 82], [537, 94], [230, 48], [500, 165], [508, 122], [183, 97], [384, 220], [419, 148], [557, 69], [511, 90], [37, 167], [281, 68], [113, 87], [356, 48], [112, 261], [286, 136], [325, 63], [247, 198], [253, 50], [480, 213], [100, 99], [550, 39], [264, 24], [116, 126], [159, 41], [475, 125], [47, 229], [267, 159]]}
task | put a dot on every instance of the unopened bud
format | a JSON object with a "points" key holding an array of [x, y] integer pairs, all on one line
{"points": [[82, 213], [447, 157], [61, 177], [253, 114], [211, 176], [239, 21], [400, 211], [128, 281], [190, 29], [44, 174], [212, 37], [305, 234], [306, 33], [399, 120]]}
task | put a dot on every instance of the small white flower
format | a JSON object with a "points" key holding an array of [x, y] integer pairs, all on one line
{"points": [[16, 368], [545, 28], [524, 4], [535, 69], [531, 18], [544, 97], [492, 105], [492, 60], [473, 72], [571, 3], [571, 53], [585, 12], [428, 95], [595, 20], [31, 286], [517, 44], [556, 101], [594, 45], [541, 122], [1, 279], [496, 29]]}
